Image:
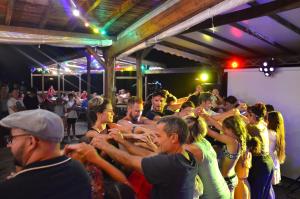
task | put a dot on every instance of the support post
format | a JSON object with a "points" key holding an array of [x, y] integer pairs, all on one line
{"points": [[109, 91], [31, 80], [88, 74], [103, 82], [139, 76], [58, 79], [146, 86], [43, 83], [63, 83], [79, 81]]}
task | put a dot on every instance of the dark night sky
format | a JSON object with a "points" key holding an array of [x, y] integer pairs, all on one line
{"points": [[15, 68]]}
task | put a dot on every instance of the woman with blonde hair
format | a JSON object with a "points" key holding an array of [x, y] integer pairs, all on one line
{"points": [[277, 142], [234, 135], [261, 172], [214, 185]]}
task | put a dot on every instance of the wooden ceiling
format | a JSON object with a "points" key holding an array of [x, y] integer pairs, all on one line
{"points": [[114, 15], [198, 43]]}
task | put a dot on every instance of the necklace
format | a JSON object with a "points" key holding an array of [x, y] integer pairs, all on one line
{"points": [[40, 167], [97, 129]]}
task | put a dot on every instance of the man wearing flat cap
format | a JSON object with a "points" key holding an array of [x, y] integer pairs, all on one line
{"points": [[45, 173]]}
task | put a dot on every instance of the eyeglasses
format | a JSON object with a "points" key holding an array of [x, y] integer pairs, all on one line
{"points": [[10, 138]]}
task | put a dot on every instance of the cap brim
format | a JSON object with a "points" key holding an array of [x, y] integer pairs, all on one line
{"points": [[5, 125]]}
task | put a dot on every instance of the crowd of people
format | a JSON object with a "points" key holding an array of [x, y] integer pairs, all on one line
{"points": [[199, 146]]}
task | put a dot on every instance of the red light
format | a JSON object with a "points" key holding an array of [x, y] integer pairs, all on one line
{"points": [[234, 64]]}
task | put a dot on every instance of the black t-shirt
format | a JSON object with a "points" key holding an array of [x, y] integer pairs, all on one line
{"points": [[62, 178], [31, 102], [172, 175], [151, 114]]}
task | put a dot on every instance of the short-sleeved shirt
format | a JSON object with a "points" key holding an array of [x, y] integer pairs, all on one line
{"points": [[172, 175], [71, 113], [13, 102], [56, 178]]}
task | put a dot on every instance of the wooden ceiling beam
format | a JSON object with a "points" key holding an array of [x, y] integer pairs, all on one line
{"points": [[18, 35], [262, 38], [232, 43], [47, 14], [120, 11], [285, 23], [16, 29], [91, 51], [280, 19], [180, 12], [249, 13], [9, 12], [197, 42], [94, 6]]}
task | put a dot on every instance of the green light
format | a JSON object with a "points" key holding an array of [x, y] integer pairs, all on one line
{"points": [[204, 77], [103, 32]]}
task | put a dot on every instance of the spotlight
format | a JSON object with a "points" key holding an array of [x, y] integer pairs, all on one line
{"points": [[204, 77], [234, 64], [265, 64], [96, 30], [33, 69], [76, 12], [86, 24], [268, 67], [103, 32]]}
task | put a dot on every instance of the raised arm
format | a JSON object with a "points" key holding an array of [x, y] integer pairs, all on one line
{"points": [[131, 148], [122, 157], [222, 116], [89, 154], [219, 136]]}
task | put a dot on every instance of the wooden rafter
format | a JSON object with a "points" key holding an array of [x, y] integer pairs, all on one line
{"points": [[246, 14], [15, 29], [9, 12], [280, 19], [47, 14], [170, 17], [94, 6], [146, 51], [203, 44], [91, 51], [212, 58], [120, 11], [12, 34], [263, 38], [228, 41], [285, 23], [72, 24]]}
